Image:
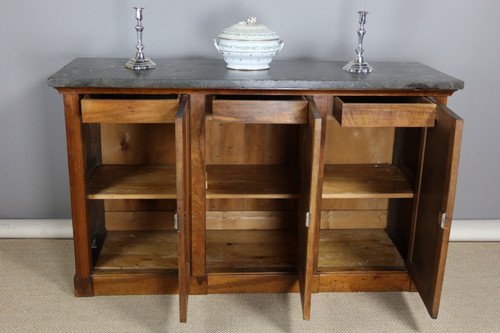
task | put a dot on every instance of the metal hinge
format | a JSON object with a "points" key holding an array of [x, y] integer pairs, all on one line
{"points": [[308, 217], [443, 218], [176, 221]]}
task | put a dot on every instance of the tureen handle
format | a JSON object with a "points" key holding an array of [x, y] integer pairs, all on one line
{"points": [[282, 43], [217, 46], [250, 21]]}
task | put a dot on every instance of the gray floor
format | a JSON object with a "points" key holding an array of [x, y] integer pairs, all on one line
{"points": [[36, 296]]}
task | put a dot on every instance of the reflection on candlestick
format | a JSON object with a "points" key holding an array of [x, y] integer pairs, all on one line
{"points": [[140, 61], [358, 65]]}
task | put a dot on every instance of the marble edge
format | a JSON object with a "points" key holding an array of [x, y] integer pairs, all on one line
{"points": [[447, 82]]}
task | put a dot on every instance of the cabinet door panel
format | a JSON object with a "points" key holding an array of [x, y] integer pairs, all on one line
{"points": [[309, 162], [435, 208], [183, 211]]}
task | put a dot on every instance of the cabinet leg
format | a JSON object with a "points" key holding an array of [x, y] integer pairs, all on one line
{"points": [[84, 286]]}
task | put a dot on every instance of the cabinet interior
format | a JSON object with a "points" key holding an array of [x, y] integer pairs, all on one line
{"points": [[301, 179], [369, 191], [131, 189], [253, 185]]}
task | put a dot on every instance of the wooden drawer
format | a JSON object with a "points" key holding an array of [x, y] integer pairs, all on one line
{"points": [[260, 109], [357, 111], [129, 109]]}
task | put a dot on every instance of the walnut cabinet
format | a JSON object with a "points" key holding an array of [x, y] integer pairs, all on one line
{"points": [[198, 188]]}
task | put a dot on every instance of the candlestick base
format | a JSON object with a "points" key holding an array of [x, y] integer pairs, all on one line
{"points": [[140, 64], [356, 67]]}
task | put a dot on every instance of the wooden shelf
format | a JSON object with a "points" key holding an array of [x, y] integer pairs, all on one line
{"points": [[351, 181], [132, 249], [133, 182], [252, 181], [249, 251], [358, 250]]}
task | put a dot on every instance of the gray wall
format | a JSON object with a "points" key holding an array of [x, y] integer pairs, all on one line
{"points": [[458, 37]]}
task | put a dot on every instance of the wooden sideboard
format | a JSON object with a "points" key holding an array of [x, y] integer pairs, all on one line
{"points": [[195, 179]]}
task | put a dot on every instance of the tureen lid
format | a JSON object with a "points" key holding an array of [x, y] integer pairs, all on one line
{"points": [[248, 30]]}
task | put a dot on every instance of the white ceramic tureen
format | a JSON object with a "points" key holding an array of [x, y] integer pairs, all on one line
{"points": [[248, 45]]}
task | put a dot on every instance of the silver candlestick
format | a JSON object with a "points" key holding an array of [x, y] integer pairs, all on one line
{"points": [[140, 61], [358, 65]]}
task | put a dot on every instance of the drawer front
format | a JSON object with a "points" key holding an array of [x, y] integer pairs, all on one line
{"points": [[114, 109], [258, 109], [384, 111]]}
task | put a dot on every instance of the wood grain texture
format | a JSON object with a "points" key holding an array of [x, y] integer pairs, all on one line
{"points": [[353, 219], [92, 141], [97, 109], [250, 251], [139, 250], [357, 145], [240, 284], [198, 285], [248, 220], [285, 111], [83, 286], [239, 143], [198, 179], [358, 250], [384, 111], [324, 105], [309, 213], [252, 181], [365, 181], [439, 179], [364, 281], [138, 143], [138, 205], [252, 204], [142, 282], [135, 220], [135, 282], [77, 172], [183, 178], [354, 204], [133, 182], [404, 213]]}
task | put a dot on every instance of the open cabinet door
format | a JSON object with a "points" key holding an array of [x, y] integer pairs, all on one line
{"points": [[182, 156], [308, 213], [427, 256]]}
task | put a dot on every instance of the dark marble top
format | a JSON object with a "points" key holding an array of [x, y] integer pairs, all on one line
{"points": [[284, 74]]}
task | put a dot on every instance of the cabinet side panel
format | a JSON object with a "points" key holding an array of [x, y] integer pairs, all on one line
{"points": [[77, 175], [408, 156]]}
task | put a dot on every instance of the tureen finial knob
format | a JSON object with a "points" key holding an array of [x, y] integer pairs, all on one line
{"points": [[251, 20]]}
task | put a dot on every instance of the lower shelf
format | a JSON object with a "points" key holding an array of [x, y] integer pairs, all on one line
{"points": [[139, 250], [251, 251], [358, 250]]}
